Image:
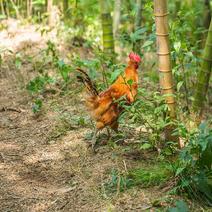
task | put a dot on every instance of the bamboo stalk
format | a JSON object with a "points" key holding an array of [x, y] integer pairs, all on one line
{"points": [[29, 8], [116, 16], [164, 64], [107, 28], [49, 11], [7, 9], [2, 7], [207, 14], [203, 75], [137, 45], [163, 52], [16, 10], [65, 8]]}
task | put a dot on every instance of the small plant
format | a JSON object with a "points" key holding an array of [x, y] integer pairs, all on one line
{"points": [[154, 175], [18, 61], [180, 206], [44, 79], [118, 182], [38, 84], [36, 107], [149, 110], [194, 167]]}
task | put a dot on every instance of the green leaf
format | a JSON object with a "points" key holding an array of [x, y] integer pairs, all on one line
{"points": [[147, 43], [179, 171], [37, 105], [145, 146], [177, 46], [18, 63], [179, 85], [130, 82], [181, 206], [115, 74]]}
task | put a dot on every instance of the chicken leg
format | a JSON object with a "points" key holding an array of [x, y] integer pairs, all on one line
{"points": [[93, 141]]}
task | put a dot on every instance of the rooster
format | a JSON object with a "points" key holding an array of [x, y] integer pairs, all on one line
{"points": [[103, 106]]}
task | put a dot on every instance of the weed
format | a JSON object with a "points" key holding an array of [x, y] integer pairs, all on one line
{"points": [[194, 167], [118, 182], [153, 175], [180, 206]]}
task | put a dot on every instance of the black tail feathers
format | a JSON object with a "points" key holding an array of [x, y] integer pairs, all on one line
{"points": [[87, 82]]}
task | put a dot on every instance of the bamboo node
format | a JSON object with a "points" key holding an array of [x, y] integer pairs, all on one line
{"points": [[168, 88], [163, 54], [171, 102], [161, 15], [107, 33], [162, 34], [108, 41], [165, 71]]}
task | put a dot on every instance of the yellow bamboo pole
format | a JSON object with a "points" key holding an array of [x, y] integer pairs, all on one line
{"points": [[164, 60], [163, 52]]}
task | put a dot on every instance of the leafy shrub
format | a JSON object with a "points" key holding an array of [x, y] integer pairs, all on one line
{"points": [[194, 167]]}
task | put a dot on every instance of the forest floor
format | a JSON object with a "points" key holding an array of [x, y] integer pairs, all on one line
{"points": [[47, 166]]}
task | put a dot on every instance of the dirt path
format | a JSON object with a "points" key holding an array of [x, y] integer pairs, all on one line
{"points": [[39, 173]]}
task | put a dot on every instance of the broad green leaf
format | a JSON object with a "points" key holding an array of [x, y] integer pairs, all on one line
{"points": [[147, 43], [179, 85]]}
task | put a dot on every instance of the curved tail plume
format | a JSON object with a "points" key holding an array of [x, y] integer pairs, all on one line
{"points": [[87, 82]]}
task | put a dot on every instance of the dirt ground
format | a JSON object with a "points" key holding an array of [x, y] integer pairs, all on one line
{"points": [[44, 171]]}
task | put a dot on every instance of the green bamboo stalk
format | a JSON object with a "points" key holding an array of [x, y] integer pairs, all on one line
{"points": [[2, 7], [18, 16], [65, 8], [137, 45], [207, 14], [29, 8], [107, 28], [7, 8], [203, 75]]}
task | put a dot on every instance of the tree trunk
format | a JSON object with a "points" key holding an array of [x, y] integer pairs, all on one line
{"points": [[164, 61], [2, 7], [50, 12], [116, 17], [107, 28], [137, 45], [203, 75]]}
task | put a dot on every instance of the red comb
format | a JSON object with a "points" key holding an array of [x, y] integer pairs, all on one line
{"points": [[135, 57]]}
